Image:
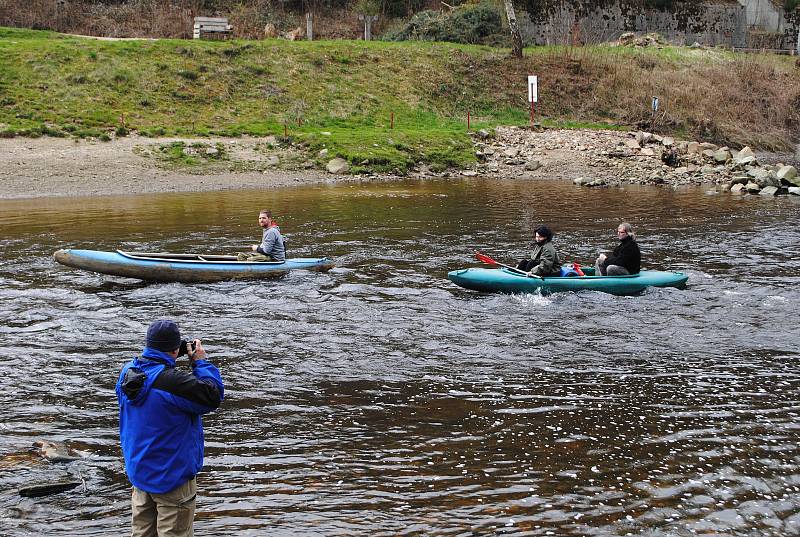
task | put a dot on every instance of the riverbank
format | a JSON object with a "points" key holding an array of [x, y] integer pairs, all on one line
{"points": [[54, 167]]}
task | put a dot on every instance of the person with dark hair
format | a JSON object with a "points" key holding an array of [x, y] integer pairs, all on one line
{"points": [[626, 257], [161, 430], [544, 260], [272, 247]]}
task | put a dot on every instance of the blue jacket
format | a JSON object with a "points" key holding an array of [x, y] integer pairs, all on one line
{"points": [[160, 427]]}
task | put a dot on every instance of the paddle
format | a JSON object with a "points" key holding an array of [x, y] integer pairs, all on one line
{"points": [[489, 261]]}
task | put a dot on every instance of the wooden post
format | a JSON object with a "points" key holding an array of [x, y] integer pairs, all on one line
{"points": [[368, 20], [309, 27], [285, 131], [392, 121], [533, 106], [467, 119]]}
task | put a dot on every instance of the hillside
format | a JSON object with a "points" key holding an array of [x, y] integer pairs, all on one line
{"points": [[343, 94]]}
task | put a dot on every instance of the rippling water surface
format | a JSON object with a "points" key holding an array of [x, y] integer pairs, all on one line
{"points": [[379, 399]]}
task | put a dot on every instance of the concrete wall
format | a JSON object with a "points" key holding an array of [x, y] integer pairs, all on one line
{"points": [[721, 22], [764, 14]]}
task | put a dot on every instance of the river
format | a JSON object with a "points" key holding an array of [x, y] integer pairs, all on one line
{"points": [[379, 399]]}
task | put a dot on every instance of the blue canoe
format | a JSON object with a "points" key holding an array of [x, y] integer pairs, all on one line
{"points": [[508, 281], [166, 267]]}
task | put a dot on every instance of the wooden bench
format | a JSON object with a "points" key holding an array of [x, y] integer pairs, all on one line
{"points": [[213, 27]]}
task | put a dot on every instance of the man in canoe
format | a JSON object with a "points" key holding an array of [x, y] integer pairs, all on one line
{"points": [[161, 429], [544, 260], [272, 247], [626, 257]]}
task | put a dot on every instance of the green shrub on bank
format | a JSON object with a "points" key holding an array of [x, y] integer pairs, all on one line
{"points": [[470, 24]]}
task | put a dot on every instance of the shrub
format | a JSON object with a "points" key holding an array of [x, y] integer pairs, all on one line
{"points": [[474, 24], [791, 5]]}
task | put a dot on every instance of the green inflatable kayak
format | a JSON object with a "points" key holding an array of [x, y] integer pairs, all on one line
{"points": [[509, 281]]}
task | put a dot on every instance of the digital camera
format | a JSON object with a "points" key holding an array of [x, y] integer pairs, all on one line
{"points": [[187, 347]]}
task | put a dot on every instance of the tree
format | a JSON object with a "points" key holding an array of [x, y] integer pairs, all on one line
{"points": [[516, 38]]}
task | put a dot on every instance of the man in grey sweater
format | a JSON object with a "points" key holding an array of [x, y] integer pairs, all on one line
{"points": [[271, 247]]}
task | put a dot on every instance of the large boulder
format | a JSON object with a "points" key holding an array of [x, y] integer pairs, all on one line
{"points": [[794, 190], [737, 188], [789, 175], [722, 155], [338, 166], [752, 187], [769, 191]]}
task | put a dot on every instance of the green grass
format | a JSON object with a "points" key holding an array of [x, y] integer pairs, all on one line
{"points": [[57, 85]]}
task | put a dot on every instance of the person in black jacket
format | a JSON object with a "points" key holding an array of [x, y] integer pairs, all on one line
{"points": [[626, 257]]}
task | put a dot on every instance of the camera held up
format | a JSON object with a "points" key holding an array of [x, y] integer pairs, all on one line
{"points": [[187, 348]]}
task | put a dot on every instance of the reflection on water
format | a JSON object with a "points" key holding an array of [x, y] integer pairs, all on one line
{"points": [[379, 399]]}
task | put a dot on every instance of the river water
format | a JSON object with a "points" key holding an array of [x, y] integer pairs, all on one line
{"points": [[379, 399]]}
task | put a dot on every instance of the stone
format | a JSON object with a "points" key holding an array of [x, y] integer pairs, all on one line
{"points": [[533, 165], [581, 181], [272, 160], [338, 166], [55, 451], [722, 155], [643, 138], [752, 187], [632, 144], [739, 180], [744, 161], [769, 191], [745, 152], [788, 174], [469, 173], [708, 153], [510, 152], [483, 134], [737, 188], [295, 35], [270, 30], [668, 142], [647, 152], [794, 190], [323, 152], [708, 145], [693, 148]]}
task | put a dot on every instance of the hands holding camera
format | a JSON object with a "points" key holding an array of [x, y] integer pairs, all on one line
{"points": [[193, 349]]}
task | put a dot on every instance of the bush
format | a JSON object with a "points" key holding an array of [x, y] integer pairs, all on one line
{"points": [[473, 24], [791, 5]]}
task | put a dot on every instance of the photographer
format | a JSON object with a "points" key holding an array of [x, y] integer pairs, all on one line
{"points": [[161, 431]]}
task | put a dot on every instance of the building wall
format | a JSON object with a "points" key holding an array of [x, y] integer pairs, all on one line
{"points": [[720, 22]]}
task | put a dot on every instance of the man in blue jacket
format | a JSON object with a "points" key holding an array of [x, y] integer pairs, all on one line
{"points": [[161, 430]]}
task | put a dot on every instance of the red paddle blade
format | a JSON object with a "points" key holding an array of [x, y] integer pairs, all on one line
{"points": [[483, 258]]}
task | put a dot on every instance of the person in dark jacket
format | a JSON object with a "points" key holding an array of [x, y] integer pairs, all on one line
{"points": [[161, 430], [626, 257], [544, 260]]}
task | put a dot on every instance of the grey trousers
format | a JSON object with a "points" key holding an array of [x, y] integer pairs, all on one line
{"points": [[164, 515], [609, 270]]}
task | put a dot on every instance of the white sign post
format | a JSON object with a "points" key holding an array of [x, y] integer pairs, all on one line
{"points": [[533, 93], [655, 105]]}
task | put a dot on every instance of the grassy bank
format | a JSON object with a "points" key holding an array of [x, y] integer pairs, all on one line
{"points": [[343, 94]]}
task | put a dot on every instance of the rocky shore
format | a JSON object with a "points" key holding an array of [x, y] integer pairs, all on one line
{"points": [[608, 158], [46, 167]]}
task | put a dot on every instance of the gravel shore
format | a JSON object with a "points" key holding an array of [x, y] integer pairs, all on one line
{"points": [[51, 167]]}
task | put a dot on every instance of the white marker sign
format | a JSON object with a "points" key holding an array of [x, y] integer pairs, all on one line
{"points": [[533, 89], [655, 104]]}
